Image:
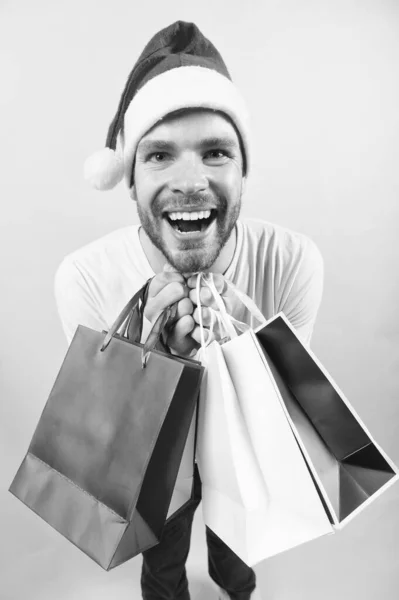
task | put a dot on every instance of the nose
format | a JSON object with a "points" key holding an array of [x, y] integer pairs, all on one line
{"points": [[188, 176]]}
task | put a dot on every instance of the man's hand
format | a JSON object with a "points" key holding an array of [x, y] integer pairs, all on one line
{"points": [[165, 289], [208, 302]]}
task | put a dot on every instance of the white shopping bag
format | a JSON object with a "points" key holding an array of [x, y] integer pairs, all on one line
{"points": [[258, 495], [283, 456]]}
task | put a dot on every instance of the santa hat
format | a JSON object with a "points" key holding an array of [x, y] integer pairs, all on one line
{"points": [[179, 68]]}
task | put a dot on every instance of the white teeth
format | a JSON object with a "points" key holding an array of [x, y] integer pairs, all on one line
{"points": [[189, 216]]}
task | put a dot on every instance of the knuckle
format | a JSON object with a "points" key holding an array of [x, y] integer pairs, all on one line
{"points": [[195, 334], [181, 330], [205, 296], [184, 307], [176, 289], [192, 280], [173, 276], [193, 296], [187, 324], [178, 328], [203, 313], [162, 279]]}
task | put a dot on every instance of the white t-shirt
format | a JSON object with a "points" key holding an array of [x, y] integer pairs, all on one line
{"points": [[279, 269]]}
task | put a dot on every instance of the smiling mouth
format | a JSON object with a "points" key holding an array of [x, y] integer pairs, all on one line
{"points": [[193, 221]]}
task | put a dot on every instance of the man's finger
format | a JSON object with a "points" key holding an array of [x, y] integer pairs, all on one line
{"points": [[207, 299], [218, 279], [206, 296], [192, 281], [184, 307], [163, 279], [179, 337], [171, 293], [220, 283], [196, 335], [206, 316], [183, 327]]}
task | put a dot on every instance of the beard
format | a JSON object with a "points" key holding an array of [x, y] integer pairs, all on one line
{"points": [[191, 256]]}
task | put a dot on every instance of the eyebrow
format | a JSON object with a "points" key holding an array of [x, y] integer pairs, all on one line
{"points": [[163, 145], [215, 142], [151, 145]]}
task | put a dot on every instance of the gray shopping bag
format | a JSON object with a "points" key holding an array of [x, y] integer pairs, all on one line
{"points": [[103, 462]]}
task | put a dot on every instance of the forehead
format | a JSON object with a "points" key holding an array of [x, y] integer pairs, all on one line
{"points": [[192, 126]]}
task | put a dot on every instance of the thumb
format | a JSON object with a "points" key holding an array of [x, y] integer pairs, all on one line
{"points": [[168, 268]]}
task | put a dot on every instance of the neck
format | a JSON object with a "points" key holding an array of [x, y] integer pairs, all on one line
{"points": [[157, 259]]}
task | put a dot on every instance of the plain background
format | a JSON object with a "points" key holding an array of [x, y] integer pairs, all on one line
{"points": [[321, 80]]}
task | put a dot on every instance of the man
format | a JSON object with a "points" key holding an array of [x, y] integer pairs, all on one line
{"points": [[180, 140]]}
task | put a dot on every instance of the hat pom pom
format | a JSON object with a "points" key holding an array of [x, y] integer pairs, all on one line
{"points": [[104, 169]]}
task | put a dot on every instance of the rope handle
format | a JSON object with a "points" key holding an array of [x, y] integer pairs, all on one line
{"points": [[229, 324]]}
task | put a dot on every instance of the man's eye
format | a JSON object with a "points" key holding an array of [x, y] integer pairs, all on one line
{"points": [[216, 154], [157, 156]]}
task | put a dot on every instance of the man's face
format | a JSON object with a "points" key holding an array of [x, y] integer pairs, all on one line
{"points": [[188, 186]]}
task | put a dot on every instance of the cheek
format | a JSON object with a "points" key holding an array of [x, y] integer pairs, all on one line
{"points": [[147, 187], [142, 193], [230, 184]]}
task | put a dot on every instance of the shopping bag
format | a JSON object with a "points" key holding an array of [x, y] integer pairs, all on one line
{"points": [[104, 458], [258, 495], [350, 469], [271, 416], [184, 485]]}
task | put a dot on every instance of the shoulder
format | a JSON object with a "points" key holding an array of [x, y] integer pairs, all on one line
{"points": [[93, 283], [105, 248], [283, 270], [99, 258], [280, 244]]}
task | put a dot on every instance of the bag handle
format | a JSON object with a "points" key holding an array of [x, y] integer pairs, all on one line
{"points": [[223, 314], [229, 323], [247, 302], [133, 307], [214, 316], [154, 338], [130, 321]]}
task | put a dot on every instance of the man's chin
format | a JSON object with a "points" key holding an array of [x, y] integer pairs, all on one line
{"points": [[191, 261], [187, 255]]}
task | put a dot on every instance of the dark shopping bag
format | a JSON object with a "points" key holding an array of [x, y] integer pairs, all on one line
{"points": [[348, 467], [103, 462]]}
